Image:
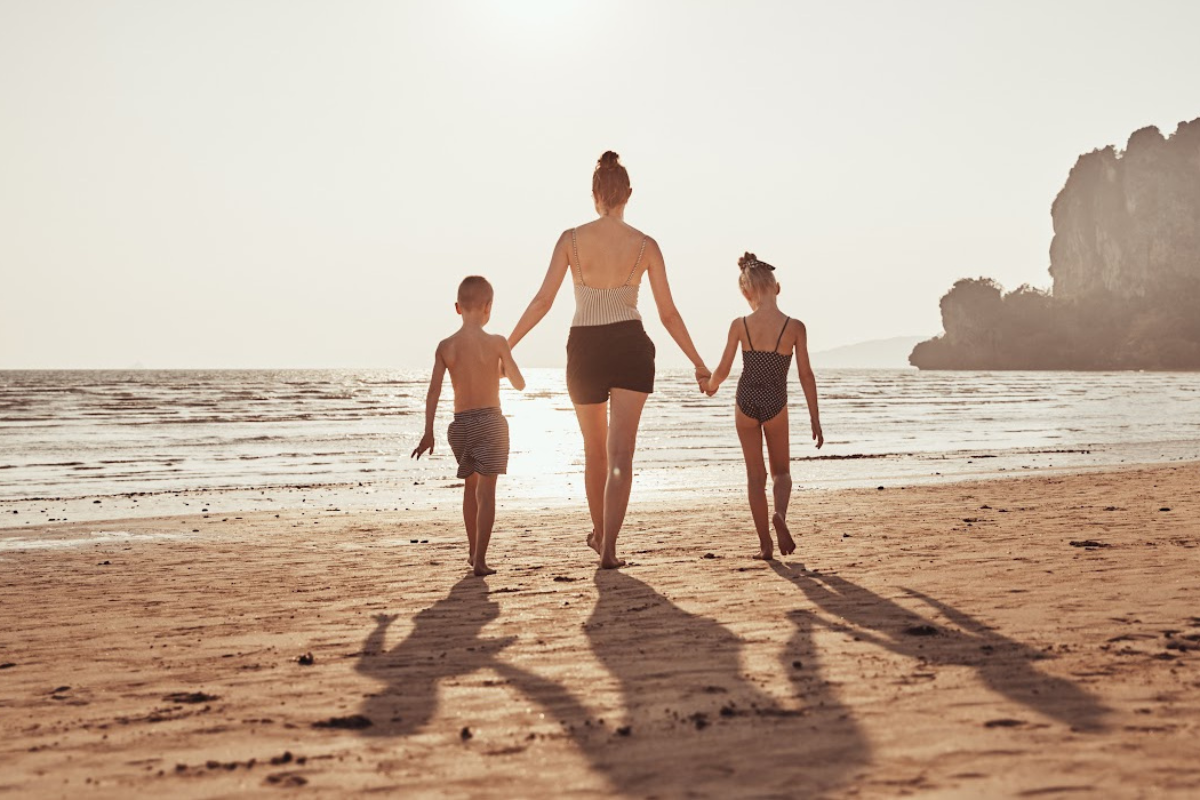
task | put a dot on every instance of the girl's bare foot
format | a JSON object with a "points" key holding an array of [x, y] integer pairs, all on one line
{"points": [[786, 545], [482, 569], [611, 562]]}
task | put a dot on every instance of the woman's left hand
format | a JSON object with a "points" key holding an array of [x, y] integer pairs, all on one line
{"points": [[702, 376]]}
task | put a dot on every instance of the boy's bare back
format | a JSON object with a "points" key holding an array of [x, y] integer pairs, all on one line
{"points": [[476, 361]]}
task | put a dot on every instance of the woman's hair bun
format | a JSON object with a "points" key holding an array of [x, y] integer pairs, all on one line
{"points": [[748, 260], [609, 159]]}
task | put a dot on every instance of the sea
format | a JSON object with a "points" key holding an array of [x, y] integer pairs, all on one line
{"points": [[82, 434]]}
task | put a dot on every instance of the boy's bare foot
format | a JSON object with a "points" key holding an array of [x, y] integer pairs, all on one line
{"points": [[766, 549], [786, 545], [611, 562], [592, 543], [482, 569]]}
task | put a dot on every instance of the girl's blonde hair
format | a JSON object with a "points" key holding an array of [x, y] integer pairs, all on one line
{"points": [[757, 277]]}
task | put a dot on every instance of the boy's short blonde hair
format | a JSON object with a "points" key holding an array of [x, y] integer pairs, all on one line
{"points": [[475, 292], [757, 277]]}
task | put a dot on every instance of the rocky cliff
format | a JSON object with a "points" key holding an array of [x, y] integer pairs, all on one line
{"points": [[1125, 263]]}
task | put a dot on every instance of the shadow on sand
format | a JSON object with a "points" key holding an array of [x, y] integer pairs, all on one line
{"points": [[445, 643], [1005, 666], [700, 726], [692, 724]]}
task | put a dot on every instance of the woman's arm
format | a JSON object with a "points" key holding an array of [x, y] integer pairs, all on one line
{"points": [[731, 348], [672, 320], [541, 303], [808, 382]]}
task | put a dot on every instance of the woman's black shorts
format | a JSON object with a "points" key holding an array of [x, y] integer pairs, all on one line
{"points": [[605, 357]]}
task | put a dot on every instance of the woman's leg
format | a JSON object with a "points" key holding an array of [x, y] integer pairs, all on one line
{"points": [[593, 423], [775, 430], [626, 415], [750, 435]]}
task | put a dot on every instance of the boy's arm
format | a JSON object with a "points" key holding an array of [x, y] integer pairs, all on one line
{"points": [[508, 365], [731, 348], [808, 382], [560, 261], [431, 404]]}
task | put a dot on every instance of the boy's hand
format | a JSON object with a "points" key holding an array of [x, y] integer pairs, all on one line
{"points": [[818, 434], [426, 444]]}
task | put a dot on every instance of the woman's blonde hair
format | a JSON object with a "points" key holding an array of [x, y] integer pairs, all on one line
{"points": [[757, 277], [610, 181]]}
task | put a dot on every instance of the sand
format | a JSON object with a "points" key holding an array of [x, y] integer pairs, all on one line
{"points": [[941, 641]]}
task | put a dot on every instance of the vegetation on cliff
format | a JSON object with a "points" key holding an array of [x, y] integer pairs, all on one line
{"points": [[1125, 261]]}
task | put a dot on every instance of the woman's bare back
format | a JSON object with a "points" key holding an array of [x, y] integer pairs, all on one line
{"points": [[608, 249]]}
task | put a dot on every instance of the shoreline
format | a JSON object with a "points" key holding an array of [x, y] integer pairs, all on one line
{"points": [[1000, 637], [33, 513]]}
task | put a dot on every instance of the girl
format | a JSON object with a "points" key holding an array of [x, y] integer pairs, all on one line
{"points": [[762, 395]]}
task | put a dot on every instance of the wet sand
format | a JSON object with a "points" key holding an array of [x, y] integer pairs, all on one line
{"points": [[1035, 637]]}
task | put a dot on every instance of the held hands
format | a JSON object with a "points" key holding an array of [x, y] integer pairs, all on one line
{"points": [[817, 434], [702, 376], [425, 445]]}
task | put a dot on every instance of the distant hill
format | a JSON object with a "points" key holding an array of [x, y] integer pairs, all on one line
{"points": [[875, 354], [1125, 260]]}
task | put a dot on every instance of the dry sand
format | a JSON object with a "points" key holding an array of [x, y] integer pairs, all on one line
{"points": [[945, 641]]}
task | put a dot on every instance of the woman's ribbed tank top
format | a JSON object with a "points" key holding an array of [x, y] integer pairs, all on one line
{"points": [[604, 306]]}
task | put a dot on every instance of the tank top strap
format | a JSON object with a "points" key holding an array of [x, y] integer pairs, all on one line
{"points": [[636, 264], [577, 268], [749, 341], [781, 332]]}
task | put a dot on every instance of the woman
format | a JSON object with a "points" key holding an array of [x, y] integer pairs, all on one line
{"points": [[610, 360]]}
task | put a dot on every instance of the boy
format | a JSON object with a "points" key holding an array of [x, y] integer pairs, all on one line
{"points": [[479, 433]]}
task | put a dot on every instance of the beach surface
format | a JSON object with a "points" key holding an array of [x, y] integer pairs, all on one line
{"points": [[1031, 637]]}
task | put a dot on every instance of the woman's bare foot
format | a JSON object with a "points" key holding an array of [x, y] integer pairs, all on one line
{"points": [[611, 562], [592, 543], [786, 545], [482, 569]]}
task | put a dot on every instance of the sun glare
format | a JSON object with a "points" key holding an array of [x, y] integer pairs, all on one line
{"points": [[532, 16]]}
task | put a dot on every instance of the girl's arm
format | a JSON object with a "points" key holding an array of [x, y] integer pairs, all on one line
{"points": [[672, 320], [731, 348], [541, 303], [808, 382]]}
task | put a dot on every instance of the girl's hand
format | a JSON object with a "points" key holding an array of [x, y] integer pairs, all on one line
{"points": [[818, 434]]}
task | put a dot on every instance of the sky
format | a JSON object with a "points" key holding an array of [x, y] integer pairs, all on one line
{"points": [[303, 184]]}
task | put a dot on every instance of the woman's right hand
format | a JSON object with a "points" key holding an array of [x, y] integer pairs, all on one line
{"points": [[702, 376]]}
